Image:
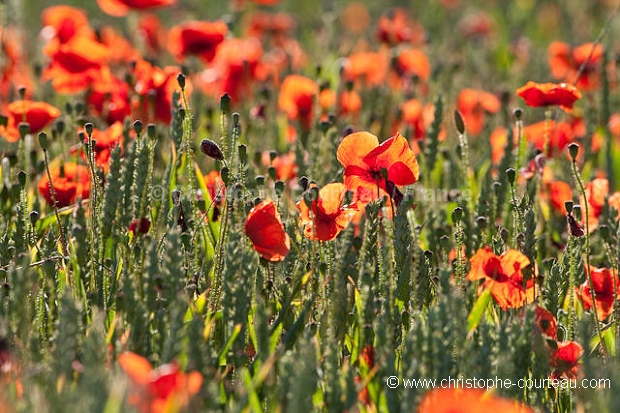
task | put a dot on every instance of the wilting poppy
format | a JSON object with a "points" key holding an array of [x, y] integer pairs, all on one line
{"points": [[160, 390], [119, 8], [546, 322], [468, 400], [326, 217], [604, 281], [297, 97], [549, 94], [199, 38], [264, 228], [567, 63], [503, 276], [37, 114], [473, 105], [564, 360], [364, 161], [70, 180]]}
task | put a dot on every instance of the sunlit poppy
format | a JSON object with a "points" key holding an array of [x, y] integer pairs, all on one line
{"points": [[579, 65], [76, 64], [468, 400], [377, 166], [604, 281], [234, 69], [165, 389], [350, 102], [326, 217], [155, 87], [119, 8], [271, 25], [215, 186], [474, 104], [14, 72], [503, 275], [549, 94], [199, 38], [417, 118], [597, 196], [413, 62], [71, 181], [564, 360], [559, 193], [297, 98], [152, 33], [109, 97], [265, 229], [368, 68], [556, 134], [124, 51], [37, 114]]}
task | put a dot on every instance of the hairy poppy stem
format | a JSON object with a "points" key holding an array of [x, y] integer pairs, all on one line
{"points": [[63, 238], [582, 191]]}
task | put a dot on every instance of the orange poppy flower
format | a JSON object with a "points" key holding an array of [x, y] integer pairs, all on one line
{"points": [[160, 390], [498, 141], [396, 27], [503, 276], [274, 25], [297, 96], [597, 196], [546, 322], [549, 94], [109, 98], [350, 102], [564, 360], [14, 72], [604, 281], [466, 400], [473, 105], [265, 229], [370, 68], [418, 118], [76, 64], [61, 24], [105, 142], [329, 216], [37, 114], [364, 159], [120, 8], [215, 186], [196, 38], [413, 62], [327, 99], [70, 181], [559, 192], [236, 65], [566, 62]]}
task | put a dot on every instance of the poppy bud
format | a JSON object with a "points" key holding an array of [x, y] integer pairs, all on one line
{"points": [[459, 122], [518, 112], [24, 129], [34, 216], [511, 175], [303, 182], [60, 126], [4, 120], [225, 103], [482, 222], [575, 228], [21, 178], [176, 196], [137, 127], [210, 148], [260, 180], [457, 214], [225, 175], [569, 206], [22, 92], [150, 130], [235, 119], [243, 153], [88, 128], [272, 172], [79, 108], [573, 149], [279, 187], [181, 80], [43, 140]]}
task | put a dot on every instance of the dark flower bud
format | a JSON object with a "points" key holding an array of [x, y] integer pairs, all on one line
{"points": [[279, 187], [89, 129], [573, 149], [225, 103], [24, 129], [457, 214], [21, 178], [511, 174], [43, 140], [459, 122], [181, 80], [137, 127], [518, 112], [575, 229], [211, 149]]}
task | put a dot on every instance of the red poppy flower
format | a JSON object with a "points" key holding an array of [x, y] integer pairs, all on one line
{"points": [[566, 63], [468, 400], [235, 67], [418, 118], [549, 94], [597, 196], [559, 134], [396, 27], [604, 281], [473, 105], [155, 87], [369, 68], [364, 159], [119, 8], [264, 228], [350, 102], [546, 322], [297, 96], [37, 114], [327, 216], [215, 186], [199, 38], [276, 26], [158, 390], [14, 72], [413, 62], [503, 276], [109, 97], [140, 226], [76, 64], [367, 363], [152, 32], [559, 192], [564, 360], [70, 181], [61, 24]]}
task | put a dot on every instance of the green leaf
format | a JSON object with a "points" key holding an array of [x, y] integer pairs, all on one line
{"points": [[474, 317]]}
